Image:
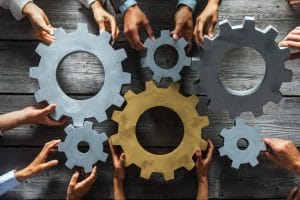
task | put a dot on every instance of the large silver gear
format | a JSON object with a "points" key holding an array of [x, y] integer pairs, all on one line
{"points": [[231, 149], [149, 59], [66, 44], [77, 135], [231, 37]]}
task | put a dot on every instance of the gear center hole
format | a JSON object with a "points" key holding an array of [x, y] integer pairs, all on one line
{"points": [[80, 73], [242, 144], [166, 56], [242, 70], [159, 130], [83, 147]]}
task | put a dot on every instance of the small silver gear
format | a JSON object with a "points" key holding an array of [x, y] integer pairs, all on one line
{"points": [[149, 60], [66, 44], [80, 134], [231, 37], [231, 149]]}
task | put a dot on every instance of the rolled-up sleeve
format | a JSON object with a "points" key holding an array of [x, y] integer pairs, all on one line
{"points": [[8, 181], [15, 7]]}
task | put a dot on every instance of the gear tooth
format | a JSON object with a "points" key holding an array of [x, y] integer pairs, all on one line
{"points": [[88, 168], [41, 49], [118, 100], [249, 23], [103, 137], [88, 125], [276, 97], [287, 75], [254, 162], [40, 96], [257, 129], [157, 77], [203, 145], [148, 42], [103, 157], [121, 55], [187, 61], [82, 28], [174, 87], [126, 78], [129, 94], [176, 77], [222, 151], [101, 117], [194, 100], [189, 165], [69, 164], [207, 43], [115, 140], [239, 122], [77, 120], [233, 114], [150, 85], [225, 27], [115, 115], [168, 175], [285, 53], [224, 132], [270, 32], [144, 62], [59, 33], [235, 165], [57, 114], [182, 42], [258, 112], [61, 147], [262, 146], [145, 173], [70, 129], [105, 36], [34, 72], [165, 34]]}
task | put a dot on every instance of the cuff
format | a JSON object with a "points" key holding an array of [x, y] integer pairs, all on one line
{"points": [[127, 4], [87, 3], [190, 3], [16, 7], [8, 181]]}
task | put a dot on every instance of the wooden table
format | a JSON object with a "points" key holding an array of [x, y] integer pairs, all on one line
{"points": [[158, 131]]}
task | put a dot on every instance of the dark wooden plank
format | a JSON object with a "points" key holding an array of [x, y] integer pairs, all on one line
{"points": [[264, 181], [155, 129]]}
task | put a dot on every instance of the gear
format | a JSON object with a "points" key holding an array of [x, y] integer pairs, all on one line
{"points": [[231, 37], [127, 119], [149, 60], [66, 44], [80, 134], [231, 138]]}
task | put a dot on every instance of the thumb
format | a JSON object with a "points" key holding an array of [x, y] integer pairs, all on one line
{"points": [[101, 26], [49, 109], [122, 159], [49, 165], [149, 31], [270, 156], [47, 28], [177, 31]]}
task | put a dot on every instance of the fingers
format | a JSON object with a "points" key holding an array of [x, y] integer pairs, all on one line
{"points": [[210, 151], [112, 150], [73, 183], [177, 33], [198, 32], [101, 25], [122, 159], [52, 122], [49, 146], [134, 39], [47, 28], [211, 28], [295, 56], [270, 156], [294, 3], [49, 109], [198, 154], [114, 27], [48, 165], [290, 44], [293, 193], [91, 178], [149, 30]]}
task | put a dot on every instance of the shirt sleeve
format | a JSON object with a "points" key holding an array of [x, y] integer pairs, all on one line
{"points": [[8, 181], [15, 6], [190, 3], [88, 3]]}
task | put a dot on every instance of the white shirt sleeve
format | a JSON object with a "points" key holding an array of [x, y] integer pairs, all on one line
{"points": [[8, 181], [15, 6]]}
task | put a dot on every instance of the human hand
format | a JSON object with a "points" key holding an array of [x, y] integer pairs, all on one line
{"points": [[40, 116], [183, 25], [39, 164], [206, 21], [41, 27], [203, 164], [77, 190], [134, 18], [118, 163], [283, 153], [292, 40], [294, 194], [105, 20], [293, 2]]}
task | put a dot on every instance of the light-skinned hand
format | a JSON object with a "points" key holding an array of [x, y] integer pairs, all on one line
{"points": [[294, 194], [292, 40], [203, 164], [118, 163], [293, 2]]}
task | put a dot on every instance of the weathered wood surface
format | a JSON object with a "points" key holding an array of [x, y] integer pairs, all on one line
{"points": [[19, 146]]}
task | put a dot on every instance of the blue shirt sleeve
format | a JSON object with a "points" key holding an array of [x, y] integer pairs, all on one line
{"points": [[8, 181], [190, 3], [126, 4]]}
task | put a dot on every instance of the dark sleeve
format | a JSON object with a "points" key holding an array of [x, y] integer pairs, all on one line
{"points": [[116, 4]]}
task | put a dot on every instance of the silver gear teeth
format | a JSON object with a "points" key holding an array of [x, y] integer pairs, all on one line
{"points": [[231, 37], [232, 136], [77, 135], [64, 44], [149, 60]]}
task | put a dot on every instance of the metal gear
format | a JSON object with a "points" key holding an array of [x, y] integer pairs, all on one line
{"points": [[64, 45], [127, 119], [149, 60], [80, 134], [231, 37], [231, 149]]}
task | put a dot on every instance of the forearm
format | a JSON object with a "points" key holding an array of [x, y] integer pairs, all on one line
{"points": [[11, 120], [119, 193], [202, 192]]}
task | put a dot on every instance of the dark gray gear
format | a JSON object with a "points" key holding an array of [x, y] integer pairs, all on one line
{"points": [[231, 138], [50, 90], [149, 60], [231, 37], [80, 134]]}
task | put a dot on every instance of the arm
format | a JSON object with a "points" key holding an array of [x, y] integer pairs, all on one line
{"points": [[29, 115], [202, 168], [77, 190], [15, 6], [13, 178], [284, 153], [119, 173]]}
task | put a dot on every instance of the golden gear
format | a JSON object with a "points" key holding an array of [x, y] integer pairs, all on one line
{"points": [[127, 119]]}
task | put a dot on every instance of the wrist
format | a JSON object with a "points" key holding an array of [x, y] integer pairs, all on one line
{"points": [[28, 9], [23, 174], [96, 5]]}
